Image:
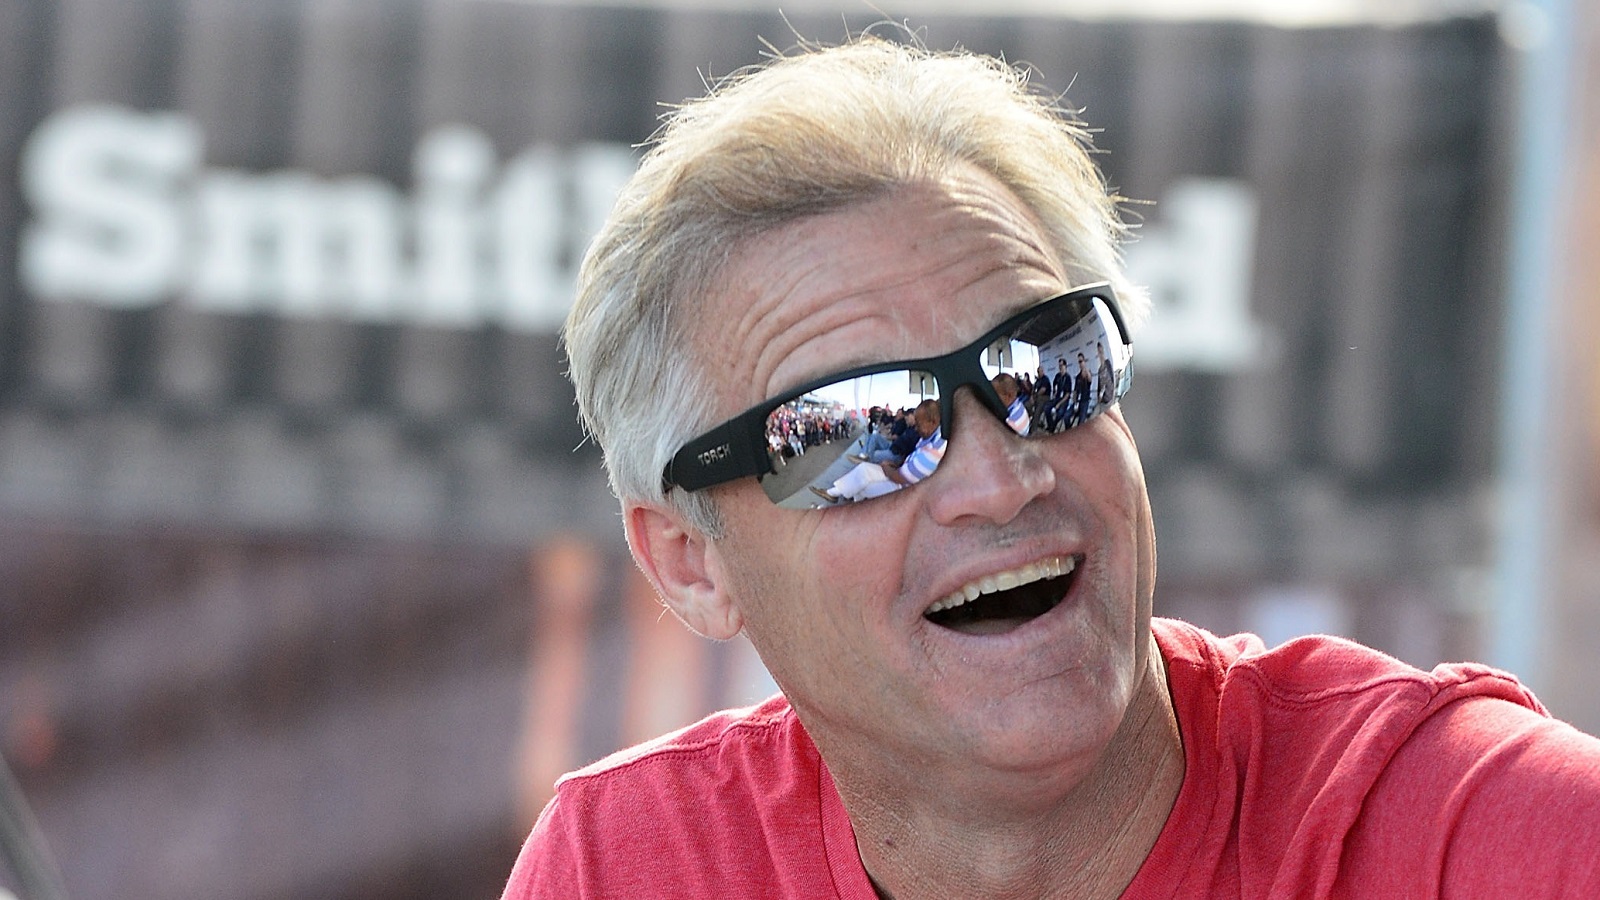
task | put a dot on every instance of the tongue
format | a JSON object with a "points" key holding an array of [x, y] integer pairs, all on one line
{"points": [[1002, 611], [990, 626]]}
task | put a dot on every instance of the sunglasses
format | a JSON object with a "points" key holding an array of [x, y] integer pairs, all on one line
{"points": [[815, 446]]}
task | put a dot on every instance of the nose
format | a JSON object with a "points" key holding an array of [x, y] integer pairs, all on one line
{"points": [[987, 471]]}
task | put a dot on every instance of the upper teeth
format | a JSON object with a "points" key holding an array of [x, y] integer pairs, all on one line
{"points": [[1005, 581]]}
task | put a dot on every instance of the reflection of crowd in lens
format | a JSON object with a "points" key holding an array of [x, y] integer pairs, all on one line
{"points": [[792, 428], [905, 448], [891, 438], [869, 479], [899, 448], [1078, 390]]}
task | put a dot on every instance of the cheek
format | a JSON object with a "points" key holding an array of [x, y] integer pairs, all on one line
{"points": [[1107, 470], [861, 551], [1122, 469], [1132, 504], [757, 554], [816, 578], [808, 605]]}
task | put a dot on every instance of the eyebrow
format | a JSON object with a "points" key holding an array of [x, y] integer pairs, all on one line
{"points": [[1009, 311]]}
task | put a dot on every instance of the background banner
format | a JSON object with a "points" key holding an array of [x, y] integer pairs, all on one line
{"points": [[308, 582]]}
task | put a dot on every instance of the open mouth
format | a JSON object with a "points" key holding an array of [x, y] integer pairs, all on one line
{"points": [[1006, 600]]}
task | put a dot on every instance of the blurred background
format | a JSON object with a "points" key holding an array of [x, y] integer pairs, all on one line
{"points": [[309, 586]]}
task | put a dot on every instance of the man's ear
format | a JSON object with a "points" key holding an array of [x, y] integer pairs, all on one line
{"points": [[685, 569]]}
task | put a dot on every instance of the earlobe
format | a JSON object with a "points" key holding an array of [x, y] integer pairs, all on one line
{"points": [[685, 569]]}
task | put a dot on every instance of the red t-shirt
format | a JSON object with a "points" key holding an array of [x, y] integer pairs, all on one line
{"points": [[1320, 768]]}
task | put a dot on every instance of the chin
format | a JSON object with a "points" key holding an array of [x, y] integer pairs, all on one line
{"points": [[1066, 728]]}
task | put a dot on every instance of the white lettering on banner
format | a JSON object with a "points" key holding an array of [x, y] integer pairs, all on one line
{"points": [[1196, 257], [291, 244], [105, 177], [127, 216]]}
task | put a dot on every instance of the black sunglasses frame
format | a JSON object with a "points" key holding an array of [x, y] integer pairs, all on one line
{"points": [[738, 447]]}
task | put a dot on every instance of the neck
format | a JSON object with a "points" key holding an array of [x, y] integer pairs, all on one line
{"points": [[1026, 836]]}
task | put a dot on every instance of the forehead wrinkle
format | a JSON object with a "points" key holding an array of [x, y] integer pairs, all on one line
{"points": [[834, 323], [758, 293], [763, 316], [735, 315], [924, 325], [766, 303]]}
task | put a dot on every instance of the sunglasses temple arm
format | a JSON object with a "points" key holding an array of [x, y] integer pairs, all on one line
{"points": [[717, 456], [1116, 317]]}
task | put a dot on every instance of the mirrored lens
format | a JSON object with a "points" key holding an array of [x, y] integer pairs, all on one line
{"points": [[830, 445], [1077, 365], [866, 437]]}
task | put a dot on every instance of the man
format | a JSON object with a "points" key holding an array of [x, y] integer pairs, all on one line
{"points": [[1008, 389], [894, 442], [1105, 378], [869, 479], [1041, 389], [1082, 392], [1060, 411], [977, 701]]}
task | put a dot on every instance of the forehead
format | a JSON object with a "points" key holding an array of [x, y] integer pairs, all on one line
{"points": [[917, 272]]}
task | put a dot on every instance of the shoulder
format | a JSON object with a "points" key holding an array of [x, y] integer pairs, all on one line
{"points": [[683, 814], [1322, 763], [743, 758], [715, 740], [1480, 783], [1320, 672], [1301, 712]]}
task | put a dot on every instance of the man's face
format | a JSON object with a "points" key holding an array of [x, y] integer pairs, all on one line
{"points": [[835, 599], [1007, 390]]}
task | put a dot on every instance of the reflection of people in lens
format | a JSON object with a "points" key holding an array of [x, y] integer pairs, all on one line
{"points": [[1105, 379], [925, 458], [1061, 397], [893, 442], [1009, 390], [1082, 392], [874, 480]]}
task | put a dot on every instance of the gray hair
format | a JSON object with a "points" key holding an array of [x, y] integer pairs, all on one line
{"points": [[806, 133]]}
